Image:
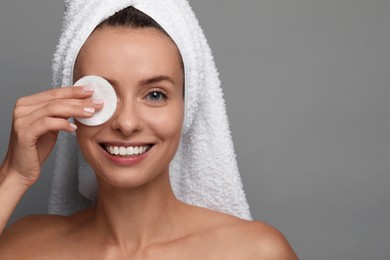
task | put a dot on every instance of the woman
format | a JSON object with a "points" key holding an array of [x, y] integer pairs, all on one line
{"points": [[135, 213]]}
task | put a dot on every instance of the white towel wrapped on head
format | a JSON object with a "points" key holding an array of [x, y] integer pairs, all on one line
{"points": [[204, 171]]}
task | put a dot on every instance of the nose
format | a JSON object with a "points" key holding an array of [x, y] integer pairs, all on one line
{"points": [[127, 119]]}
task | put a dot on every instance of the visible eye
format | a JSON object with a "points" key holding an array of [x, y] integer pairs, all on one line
{"points": [[156, 96]]}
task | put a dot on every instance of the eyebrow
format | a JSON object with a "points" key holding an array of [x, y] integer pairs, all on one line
{"points": [[145, 81], [156, 79]]}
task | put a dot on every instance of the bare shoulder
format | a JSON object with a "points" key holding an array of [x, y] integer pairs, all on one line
{"points": [[35, 234], [23, 235], [263, 241], [235, 238]]}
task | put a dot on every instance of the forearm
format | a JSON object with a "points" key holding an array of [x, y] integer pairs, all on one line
{"points": [[11, 191]]}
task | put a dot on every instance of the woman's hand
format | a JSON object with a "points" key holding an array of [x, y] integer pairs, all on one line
{"points": [[37, 119]]}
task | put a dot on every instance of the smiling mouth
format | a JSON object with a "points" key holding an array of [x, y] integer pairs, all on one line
{"points": [[127, 151]]}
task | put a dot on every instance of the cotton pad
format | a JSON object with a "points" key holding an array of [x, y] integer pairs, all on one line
{"points": [[102, 90]]}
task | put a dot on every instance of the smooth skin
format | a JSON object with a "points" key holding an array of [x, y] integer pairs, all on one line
{"points": [[137, 215]]}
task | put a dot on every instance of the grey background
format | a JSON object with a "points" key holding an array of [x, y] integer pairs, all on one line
{"points": [[307, 91]]}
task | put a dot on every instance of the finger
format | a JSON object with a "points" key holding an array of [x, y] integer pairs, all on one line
{"points": [[53, 124], [54, 94], [53, 110], [22, 111], [48, 124], [28, 136]]}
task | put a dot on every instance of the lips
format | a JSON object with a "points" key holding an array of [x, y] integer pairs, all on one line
{"points": [[126, 154]]}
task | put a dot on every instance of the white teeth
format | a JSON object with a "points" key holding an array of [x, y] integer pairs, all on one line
{"points": [[122, 150], [130, 150], [126, 151]]}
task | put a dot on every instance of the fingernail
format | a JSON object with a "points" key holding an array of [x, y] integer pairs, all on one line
{"points": [[89, 109], [97, 101], [73, 126], [87, 89]]}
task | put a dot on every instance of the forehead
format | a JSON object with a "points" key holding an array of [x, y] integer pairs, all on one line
{"points": [[116, 48]]}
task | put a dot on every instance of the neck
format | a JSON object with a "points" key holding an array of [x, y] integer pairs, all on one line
{"points": [[139, 216]]}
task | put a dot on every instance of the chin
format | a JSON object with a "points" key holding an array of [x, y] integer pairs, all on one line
{"points": [[131, 171]]}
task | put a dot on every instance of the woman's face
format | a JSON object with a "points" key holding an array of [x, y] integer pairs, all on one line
{"points": [[144, 67]]}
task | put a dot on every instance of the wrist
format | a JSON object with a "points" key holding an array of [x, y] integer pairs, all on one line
{"points": [[12, 189], [11, 178]]}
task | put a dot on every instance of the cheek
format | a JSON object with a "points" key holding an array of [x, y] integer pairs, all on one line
{"points": [[85, 135], [82, 133], [167, 121]]}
